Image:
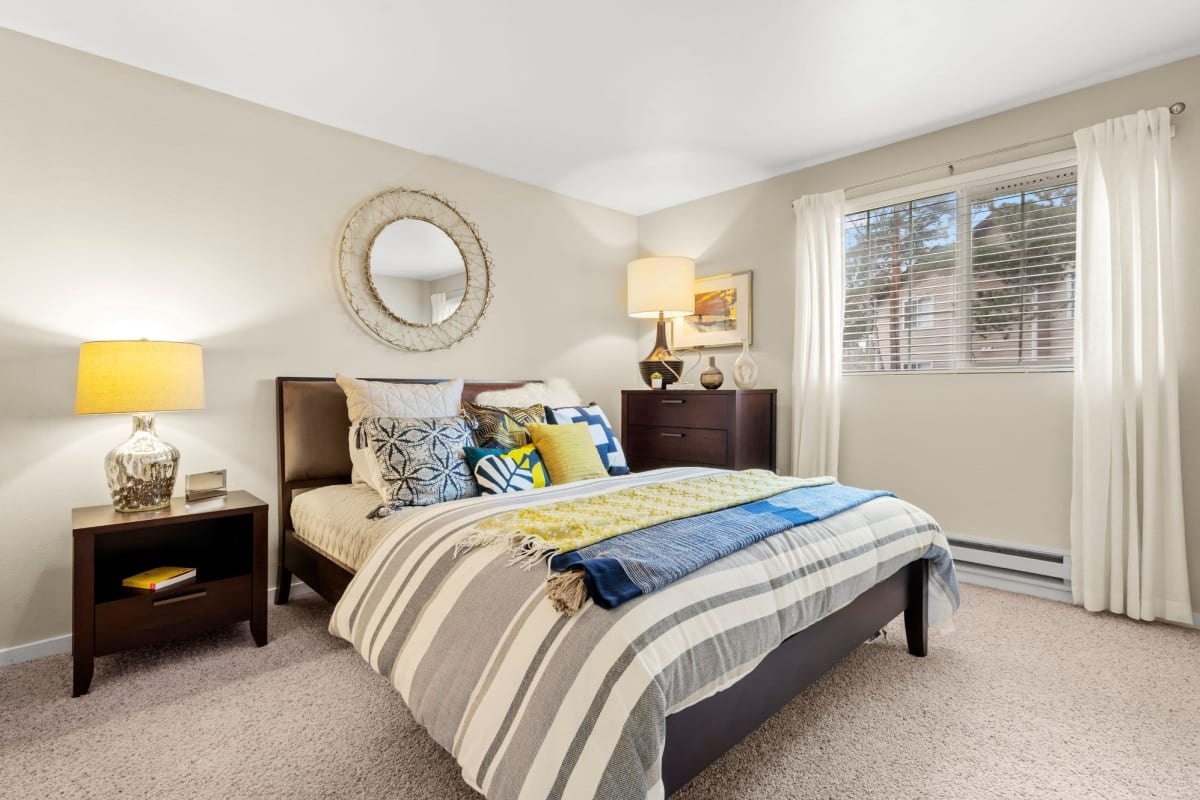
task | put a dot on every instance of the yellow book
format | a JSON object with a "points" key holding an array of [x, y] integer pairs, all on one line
{"points": [[159, 578]]}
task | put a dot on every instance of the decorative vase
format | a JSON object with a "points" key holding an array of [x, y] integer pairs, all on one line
{"points": [[745, 371], [712, 377]]}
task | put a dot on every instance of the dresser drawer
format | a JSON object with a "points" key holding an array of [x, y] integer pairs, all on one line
{"points": [[142, 618], [732, 429], [680, 411], [679, 445]]}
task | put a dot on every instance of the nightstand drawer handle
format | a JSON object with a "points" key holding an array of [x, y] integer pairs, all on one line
{"points": [[672, 435], [672, 402], [180, 598]]}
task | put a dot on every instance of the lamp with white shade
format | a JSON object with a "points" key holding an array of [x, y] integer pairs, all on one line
{"points": [[140, 378], [662, 288]]}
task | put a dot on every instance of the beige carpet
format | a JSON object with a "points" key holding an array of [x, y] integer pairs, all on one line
{"points": [[1024, 698]]}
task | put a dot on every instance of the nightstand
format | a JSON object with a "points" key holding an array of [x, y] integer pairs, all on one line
{"points": [[732, 429], [225, 539]]}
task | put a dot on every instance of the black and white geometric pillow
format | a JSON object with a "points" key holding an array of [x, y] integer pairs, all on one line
{"points": [[421, 461], [499, 475], [514, 471]]}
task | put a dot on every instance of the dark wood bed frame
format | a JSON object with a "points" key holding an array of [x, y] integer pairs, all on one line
{"points": [[313, 411]]}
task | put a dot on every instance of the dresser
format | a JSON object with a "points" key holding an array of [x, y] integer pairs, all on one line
{"points": [[733, 429]]}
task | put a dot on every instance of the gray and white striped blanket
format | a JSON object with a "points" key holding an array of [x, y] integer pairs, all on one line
{"points": [[536, 705]]}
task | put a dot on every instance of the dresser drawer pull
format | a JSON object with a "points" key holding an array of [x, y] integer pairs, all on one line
{"points": [[672, 435], [672, 402], [180, 598]]}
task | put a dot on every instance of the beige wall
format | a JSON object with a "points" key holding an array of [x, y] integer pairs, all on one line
{"points": [[988, 455], [133, 205]]}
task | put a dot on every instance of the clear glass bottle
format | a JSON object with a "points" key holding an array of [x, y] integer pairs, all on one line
{"points": [[745, 370]]}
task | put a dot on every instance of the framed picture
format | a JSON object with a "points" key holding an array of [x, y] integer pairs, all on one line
{"points": [[723, 315]]}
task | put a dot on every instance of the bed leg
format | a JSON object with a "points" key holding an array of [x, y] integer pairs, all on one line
{"points": [[916, 614], [283, 587]]}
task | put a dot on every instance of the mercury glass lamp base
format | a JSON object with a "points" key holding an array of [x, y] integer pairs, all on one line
{"points": [[141, 470]]}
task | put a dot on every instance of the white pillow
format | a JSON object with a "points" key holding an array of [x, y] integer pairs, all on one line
{"points": [[553, 392], [381, 399]]}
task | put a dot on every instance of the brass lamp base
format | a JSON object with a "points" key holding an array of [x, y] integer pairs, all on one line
{"points": [[141, 470], [661, 360]]}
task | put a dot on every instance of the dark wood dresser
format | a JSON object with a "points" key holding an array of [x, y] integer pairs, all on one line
{"points": [[733, 429]]}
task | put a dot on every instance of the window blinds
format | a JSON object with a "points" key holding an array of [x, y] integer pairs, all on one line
{"points": [[977, 278]]}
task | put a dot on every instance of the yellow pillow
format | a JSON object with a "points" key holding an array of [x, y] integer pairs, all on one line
{"points": [[567, 451]]}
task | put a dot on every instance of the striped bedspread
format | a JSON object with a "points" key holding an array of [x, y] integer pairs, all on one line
{"points": [[536, 705]]}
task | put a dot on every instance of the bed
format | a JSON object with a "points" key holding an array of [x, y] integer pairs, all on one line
{"points": [[692, 731]]}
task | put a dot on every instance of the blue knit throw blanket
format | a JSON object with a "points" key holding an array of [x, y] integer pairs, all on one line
{"points": [[619, 569]]}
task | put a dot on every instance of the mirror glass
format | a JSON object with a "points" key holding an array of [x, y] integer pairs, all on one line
{"points": [[418, 271]]}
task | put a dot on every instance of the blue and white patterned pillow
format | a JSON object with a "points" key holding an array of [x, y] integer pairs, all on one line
{"points": [[499, 472], [420, 461], [602, 434]]}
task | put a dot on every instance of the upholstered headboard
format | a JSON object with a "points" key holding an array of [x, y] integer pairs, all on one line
{"points": [[312, 430]]}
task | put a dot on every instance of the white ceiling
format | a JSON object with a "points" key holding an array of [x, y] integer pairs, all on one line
{"points": [[632, 104]]}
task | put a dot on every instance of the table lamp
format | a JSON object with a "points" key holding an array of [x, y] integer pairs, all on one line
{"points": [[662, 287], [140, 378]]}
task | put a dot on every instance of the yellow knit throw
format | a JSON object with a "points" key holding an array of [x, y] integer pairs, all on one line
{"points": [[532, 534]]}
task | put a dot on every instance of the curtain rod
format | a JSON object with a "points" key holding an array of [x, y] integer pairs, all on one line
{"points": [[1175, 109]]}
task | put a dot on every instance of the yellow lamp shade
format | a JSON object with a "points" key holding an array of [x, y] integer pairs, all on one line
{"points": [[139, 376], [661, 284]]}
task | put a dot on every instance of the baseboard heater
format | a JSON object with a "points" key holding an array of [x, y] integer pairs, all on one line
{"points": [[1028, 569]]}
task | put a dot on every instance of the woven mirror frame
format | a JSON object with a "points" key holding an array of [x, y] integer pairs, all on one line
{"points": [[362, 295]]}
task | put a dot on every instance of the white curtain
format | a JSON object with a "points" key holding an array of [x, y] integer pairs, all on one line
{"points": [[1127, 535], [817, 367]]}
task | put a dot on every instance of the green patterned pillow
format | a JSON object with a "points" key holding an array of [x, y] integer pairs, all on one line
{"points": [[502, 428]]}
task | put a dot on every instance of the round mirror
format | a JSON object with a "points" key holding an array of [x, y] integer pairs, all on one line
{"points": [[418, 271], [414, 270]]}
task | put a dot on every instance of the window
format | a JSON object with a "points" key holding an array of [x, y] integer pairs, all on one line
{"points": [[918, 313], [979, 276]]}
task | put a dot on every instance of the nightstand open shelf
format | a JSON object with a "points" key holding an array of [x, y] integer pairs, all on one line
{"points": [[226, 541], [217, 548]]}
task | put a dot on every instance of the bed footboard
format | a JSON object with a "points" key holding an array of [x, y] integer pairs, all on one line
{"points": [[700, 734]]}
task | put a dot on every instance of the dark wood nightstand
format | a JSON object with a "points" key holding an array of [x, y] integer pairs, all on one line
{"points": [[225, 539], [733, 429]]}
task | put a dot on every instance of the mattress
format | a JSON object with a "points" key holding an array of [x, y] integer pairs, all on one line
{"points": [[333, 521]]}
